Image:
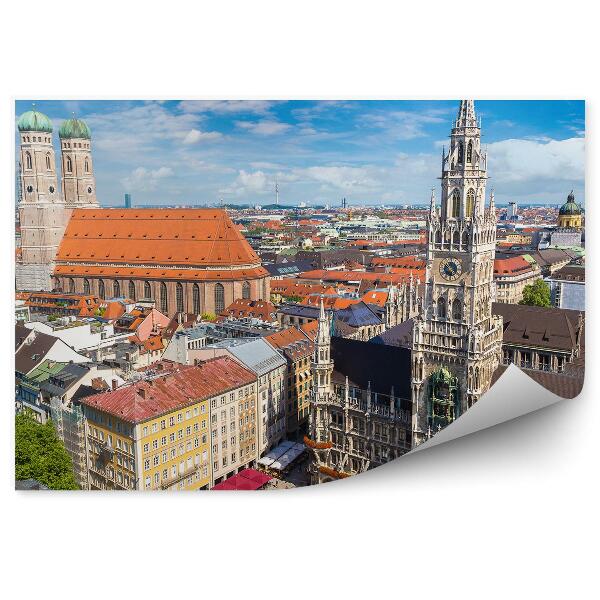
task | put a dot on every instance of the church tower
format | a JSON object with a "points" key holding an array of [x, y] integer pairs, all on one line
{"points": [[41, 208], [456, 340], [322, 395], [78, 181]]}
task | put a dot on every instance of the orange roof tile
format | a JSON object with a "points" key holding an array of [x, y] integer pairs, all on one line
{"points": [[251, 308], [200, 237], [514, 265], [310, 329]]}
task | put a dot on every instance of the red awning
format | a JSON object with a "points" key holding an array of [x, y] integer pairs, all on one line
{"points": [[248, 479]]}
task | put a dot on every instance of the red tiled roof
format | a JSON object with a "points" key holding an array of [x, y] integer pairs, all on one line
{"points": [[151, 398], [285, 337], [383, 279], [310, 329], [513, 265], [197, 237], [403, 262], [293, 287], [251, 308]]}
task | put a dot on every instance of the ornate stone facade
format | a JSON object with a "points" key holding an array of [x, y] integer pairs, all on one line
{"points": [[354, 427], [402, 303], [457, 341]]}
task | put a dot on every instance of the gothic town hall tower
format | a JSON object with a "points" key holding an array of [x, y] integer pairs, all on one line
{"points": [[456, 340]]}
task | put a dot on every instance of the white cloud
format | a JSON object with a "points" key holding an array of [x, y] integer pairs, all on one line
{"points": [[402, 125], [529, 160], [342, 177], [226, 106], [194, 136], [255, 182], [144, 180], [264, 127], [264, 165]]}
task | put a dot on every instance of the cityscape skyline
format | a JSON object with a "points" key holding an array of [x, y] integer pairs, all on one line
{"points": [[195, 152]]}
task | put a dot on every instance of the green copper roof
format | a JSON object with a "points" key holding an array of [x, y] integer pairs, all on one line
{"points": [[32, 120], [570, 207], [74, 128]]}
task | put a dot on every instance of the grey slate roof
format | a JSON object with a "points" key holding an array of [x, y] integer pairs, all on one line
{"points": [[357, 315], [31, 355], [399, 335], [256, 354]]}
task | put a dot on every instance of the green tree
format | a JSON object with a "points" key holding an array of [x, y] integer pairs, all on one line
{"points": [[293, 298], [39, 454], [536, 294], [208, 317]]}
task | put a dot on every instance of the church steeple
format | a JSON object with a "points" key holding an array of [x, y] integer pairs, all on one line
{"points": [[457, 346], [466, 114]]}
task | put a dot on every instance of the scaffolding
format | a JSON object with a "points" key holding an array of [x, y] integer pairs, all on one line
{"points": [[70, 427]]}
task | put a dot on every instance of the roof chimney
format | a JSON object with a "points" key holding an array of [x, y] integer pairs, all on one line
{"points": [[142, 393], [114, 383]]}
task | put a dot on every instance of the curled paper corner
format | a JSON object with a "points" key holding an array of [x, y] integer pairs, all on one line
{"points": [[513, 395]]}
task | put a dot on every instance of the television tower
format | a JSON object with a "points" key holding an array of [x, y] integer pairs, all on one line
{"points": [[276, 193]]}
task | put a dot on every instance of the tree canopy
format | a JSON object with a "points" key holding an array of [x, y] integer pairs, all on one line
{"points": [[536, 294], [39, 454]]}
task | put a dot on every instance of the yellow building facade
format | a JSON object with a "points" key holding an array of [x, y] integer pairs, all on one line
{"points": [[155, 434]]}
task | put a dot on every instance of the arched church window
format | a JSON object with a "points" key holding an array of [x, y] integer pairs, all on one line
{"points": [[456, 309], [101, 291], [219, 298], [147, 290], [470, 151], [196, 298], [164, 300], [465, 238], [116, 289], [87, 166], [179, 296], [246, 290], [28, 160], [71, 285], [470, 202], [461, 153], [438, 236], [48, 164], [69, 165], [455, 204], [86, 286], [455, 238], [441, 308], [132, 290]]}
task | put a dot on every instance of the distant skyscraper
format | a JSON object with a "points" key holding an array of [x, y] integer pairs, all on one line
{"points": [[512, 210], [127, 200]]}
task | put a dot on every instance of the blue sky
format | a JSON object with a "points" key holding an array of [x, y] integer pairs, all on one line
{"points": [[371, 152]]}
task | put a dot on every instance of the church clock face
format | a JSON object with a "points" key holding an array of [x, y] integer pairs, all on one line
{"points": [[450, 269]]}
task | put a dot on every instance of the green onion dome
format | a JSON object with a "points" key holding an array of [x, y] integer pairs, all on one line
{"points": [[570, 207], [32, 120], [74, 128]]}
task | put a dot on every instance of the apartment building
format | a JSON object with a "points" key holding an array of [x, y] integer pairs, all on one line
{"points": [[156, 434], [270, 369], [297, 350], [511, 275]]}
